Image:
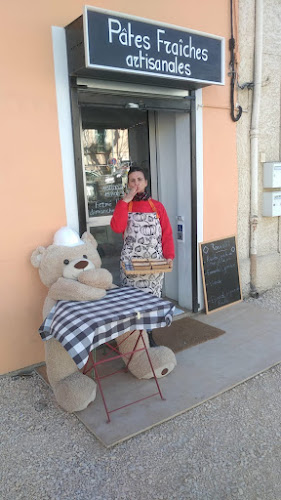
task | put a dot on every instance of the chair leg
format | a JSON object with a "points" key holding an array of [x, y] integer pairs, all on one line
{"points": [[151, 365]]}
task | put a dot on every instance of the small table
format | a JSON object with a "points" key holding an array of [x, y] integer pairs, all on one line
{"points": [[82, 326]]}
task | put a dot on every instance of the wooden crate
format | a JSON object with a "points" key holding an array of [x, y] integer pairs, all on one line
{"points": [[146, 266]]}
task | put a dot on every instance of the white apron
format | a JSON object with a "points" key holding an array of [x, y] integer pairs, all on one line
{"points": [[143, 239]]}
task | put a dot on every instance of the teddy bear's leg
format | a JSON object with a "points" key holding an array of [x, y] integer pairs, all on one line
{"points": [[162, 358], [73, 390]]}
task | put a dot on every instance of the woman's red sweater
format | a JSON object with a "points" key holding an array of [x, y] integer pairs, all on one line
{"points": [[120, 219]]}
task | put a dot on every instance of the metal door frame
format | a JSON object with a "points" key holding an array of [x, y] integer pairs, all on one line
{"points": [[93, 99]]}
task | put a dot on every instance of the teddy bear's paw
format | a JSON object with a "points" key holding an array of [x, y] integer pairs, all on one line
{"points": [[75, 392], [163, 361], [98, 278], [93, 293]]}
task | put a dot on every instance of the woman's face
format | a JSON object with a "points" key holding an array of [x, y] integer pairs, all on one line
{"points": [[137, 180]]}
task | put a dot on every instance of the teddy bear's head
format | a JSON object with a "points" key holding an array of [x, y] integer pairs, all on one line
{"points": [[68, 256]]}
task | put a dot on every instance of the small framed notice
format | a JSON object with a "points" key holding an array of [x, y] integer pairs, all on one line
{"points": [[220, 271]]}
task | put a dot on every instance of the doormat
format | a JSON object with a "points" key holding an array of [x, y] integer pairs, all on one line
{"points": [[185, 333]]}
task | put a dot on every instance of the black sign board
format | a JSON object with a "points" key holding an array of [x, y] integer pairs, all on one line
{"points": [[220, 272], [123, 47], [106, 192], [100, 208]]}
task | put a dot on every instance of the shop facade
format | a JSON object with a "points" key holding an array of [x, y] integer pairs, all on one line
{"points": [[103, 90]]}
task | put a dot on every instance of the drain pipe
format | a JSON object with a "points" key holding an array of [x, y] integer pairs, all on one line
{"points": [[254, 138]]}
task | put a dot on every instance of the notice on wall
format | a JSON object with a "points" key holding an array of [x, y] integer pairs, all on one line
{"points": [[125, 43], [220, 271]]}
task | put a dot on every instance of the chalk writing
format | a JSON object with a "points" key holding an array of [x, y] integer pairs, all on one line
{"points": [[98, 208], [220, 273]]}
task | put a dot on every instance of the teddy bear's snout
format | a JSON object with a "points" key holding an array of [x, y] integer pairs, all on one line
{"points": [[81, 264]]}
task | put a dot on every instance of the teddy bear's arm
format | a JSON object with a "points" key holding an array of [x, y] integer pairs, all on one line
{"points": [[99, 278], [66, 289]]}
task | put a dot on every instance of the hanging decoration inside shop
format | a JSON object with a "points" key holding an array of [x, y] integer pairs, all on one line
{"points": [[115, 42]]}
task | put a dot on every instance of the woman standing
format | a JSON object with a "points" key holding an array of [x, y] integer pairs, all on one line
{"points": [[147, 231]]}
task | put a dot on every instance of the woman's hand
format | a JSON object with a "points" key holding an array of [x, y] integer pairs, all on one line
{"points": [[130, 195], [170, 262]]}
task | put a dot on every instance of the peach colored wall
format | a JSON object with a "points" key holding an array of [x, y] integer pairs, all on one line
{"points": [[220, 175], [32, 198]]}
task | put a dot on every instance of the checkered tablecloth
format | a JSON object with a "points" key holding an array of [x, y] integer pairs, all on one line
{"points": [[82, 326]]}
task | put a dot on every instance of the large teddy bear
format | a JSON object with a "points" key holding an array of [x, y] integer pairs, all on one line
{"points": [[71, 269]]}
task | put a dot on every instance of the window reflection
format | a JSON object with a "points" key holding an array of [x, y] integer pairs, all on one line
{"points": [[112, 139], [106, 163], [109, 247]]}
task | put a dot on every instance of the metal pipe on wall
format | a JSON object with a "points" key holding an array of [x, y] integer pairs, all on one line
{"points": [[254, 140]]}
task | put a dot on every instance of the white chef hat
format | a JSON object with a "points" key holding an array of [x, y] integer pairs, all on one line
{"points": [[67, 237]]}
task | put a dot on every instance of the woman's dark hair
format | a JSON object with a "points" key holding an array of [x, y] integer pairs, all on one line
{"points": [[135, 168]]}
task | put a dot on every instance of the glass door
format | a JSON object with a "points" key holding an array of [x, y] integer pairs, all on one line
{"points": [[112, 140]]}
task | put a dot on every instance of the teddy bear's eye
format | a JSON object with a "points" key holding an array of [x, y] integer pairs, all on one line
{"points": [[85, 256], [66, 261]]}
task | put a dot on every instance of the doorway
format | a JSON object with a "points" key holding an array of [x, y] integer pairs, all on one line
{"points": [[170, 149], [112, 141], [158, 141], [113, 128]]}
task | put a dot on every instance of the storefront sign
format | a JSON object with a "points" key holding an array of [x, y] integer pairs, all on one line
{"points": [[119, 43]]}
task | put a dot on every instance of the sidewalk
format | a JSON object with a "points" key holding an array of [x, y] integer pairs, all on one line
{"points": [[226, 448]]}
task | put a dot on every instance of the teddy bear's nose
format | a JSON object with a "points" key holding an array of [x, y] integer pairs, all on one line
{"points": [[81, 264]]}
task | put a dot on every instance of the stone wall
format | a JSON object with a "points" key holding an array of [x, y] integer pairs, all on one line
{"points": [[268, 230]]}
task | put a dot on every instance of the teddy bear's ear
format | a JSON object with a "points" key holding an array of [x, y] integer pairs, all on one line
{"points": [[37, 255], [88, 238]]}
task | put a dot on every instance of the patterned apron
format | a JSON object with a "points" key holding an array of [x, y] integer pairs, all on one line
{"points": [[143, 239]]}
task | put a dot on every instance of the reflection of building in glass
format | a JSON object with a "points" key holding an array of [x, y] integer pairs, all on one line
{"points": [[106, 162], [106, 147]]}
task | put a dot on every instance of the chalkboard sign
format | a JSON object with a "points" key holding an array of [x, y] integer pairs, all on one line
{"points": [[220, 273], [103, 193]]}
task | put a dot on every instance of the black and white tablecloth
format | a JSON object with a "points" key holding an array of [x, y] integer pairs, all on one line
{"points": [[82, 326]]}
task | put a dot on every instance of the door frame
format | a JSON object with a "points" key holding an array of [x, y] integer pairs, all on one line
{"points": [[80, 96], [67, 104], [178, 195]]}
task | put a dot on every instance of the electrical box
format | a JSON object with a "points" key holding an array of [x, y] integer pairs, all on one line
{"points": [[272, 174], [180, 228], [272, 203]]}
